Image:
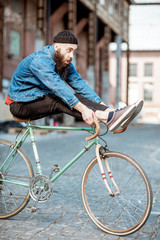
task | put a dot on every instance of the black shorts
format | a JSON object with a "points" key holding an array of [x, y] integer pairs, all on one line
{"points": [[50, 105]]}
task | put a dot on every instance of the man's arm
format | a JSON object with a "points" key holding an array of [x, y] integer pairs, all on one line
{"points": [[80, 86]]}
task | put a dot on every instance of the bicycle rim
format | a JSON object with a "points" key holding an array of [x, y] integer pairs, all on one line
{"points": [[13, 197], [127, 211]]}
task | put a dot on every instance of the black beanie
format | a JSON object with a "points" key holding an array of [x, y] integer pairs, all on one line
{"points": [[65, 36]]}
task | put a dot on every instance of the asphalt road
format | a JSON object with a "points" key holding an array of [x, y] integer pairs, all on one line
{"points": [[63, 215]]}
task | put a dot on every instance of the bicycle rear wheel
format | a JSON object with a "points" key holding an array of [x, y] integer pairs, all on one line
{"points": [[126, 211], [14, 194]]}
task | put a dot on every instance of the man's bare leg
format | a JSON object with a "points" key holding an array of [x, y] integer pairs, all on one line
{"points": [[103, 115]]}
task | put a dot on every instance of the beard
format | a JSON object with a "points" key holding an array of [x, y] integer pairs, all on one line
{"points": [[61, 68]]}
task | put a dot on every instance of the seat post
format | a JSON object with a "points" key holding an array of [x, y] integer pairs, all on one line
{"points": [[35, 151]]}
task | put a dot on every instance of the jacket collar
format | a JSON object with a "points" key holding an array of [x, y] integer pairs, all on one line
{"points": [[50, 49]]}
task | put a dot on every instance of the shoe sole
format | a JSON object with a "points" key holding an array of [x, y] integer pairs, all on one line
{"points": [[139, 105], [123, 117]]}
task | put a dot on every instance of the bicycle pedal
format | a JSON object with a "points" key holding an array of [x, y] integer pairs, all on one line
{"points": [[31, 209], [55, 168]]}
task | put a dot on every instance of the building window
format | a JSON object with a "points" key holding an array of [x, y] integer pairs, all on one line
{"points": [[14, 43], [110, 6], [148, 90], [116, 8], [102, 2], [132, 69], [148, 70], [16, 6]]}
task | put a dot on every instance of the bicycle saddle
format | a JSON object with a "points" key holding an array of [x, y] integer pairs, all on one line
{"points": [[20, 119]]}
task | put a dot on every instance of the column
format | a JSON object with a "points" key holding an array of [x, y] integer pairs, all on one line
{"points": [[105, 79], [91, 78]]}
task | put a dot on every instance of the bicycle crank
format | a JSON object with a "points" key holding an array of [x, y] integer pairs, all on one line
{"points": [[40, 188]]}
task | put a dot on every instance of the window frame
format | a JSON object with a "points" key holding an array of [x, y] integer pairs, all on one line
{"points": [[146, 99], [148, 72], [133, 70]]}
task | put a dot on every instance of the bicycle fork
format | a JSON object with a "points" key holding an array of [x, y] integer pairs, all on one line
{"points": [[111, 193]]}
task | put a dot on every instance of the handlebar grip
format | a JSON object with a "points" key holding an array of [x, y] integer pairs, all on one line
{"points": [[97, 131]]}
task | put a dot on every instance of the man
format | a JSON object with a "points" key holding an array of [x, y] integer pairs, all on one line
{"points": [[43, 85]]}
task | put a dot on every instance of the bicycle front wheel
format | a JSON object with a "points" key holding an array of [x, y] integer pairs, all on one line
{"points": [[130, 207], [15, 174]]}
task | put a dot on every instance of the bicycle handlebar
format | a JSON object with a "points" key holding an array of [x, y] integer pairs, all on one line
{"points": [[97, 131]]}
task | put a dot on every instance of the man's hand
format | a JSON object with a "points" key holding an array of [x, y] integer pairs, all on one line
{"points": [[87, 114]]}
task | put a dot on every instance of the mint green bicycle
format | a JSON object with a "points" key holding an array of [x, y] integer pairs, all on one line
{"points": [[116, 192]]}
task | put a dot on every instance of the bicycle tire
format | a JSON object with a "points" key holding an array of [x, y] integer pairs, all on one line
{"points": [[13, 197], [122, 214]]}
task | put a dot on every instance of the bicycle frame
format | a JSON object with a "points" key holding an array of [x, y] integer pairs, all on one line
{"points": [[29, 131]]}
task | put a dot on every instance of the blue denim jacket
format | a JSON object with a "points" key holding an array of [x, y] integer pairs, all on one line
{"points": [[35, 77]]}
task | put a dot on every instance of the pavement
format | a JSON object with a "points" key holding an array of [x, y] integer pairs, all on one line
{"points": [[63, 216]]}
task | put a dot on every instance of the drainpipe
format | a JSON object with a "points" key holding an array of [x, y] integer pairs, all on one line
{"points": [[118, 56], [128, 53]]}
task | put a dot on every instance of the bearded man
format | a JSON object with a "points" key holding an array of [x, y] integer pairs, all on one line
{"points": [[43, 85]]}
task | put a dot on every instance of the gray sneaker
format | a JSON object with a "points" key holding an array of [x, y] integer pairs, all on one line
{"points": [[139, 105], [119, 116]]}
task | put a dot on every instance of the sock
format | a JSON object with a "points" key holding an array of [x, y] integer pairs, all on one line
{"points": [[110, 115]]}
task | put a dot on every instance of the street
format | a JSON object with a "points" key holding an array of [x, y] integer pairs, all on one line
{"points": [[63, 215]]}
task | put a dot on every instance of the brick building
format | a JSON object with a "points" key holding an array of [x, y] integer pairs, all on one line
{"points": [[26, 26]]}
